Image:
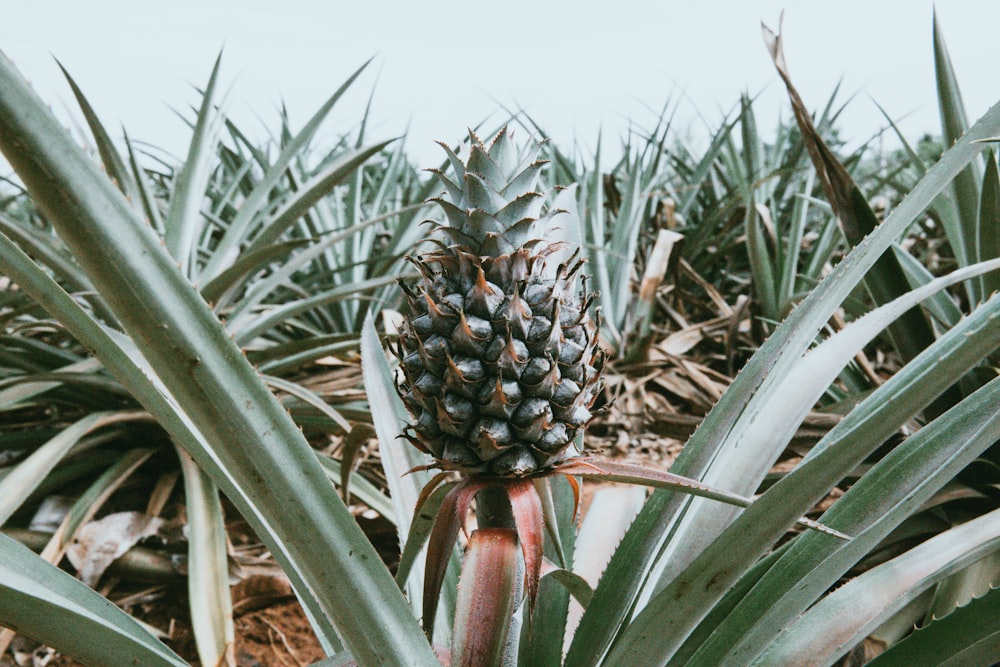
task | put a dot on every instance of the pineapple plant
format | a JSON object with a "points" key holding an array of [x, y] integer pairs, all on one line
{"points": [[500, 357], [500, 368]]}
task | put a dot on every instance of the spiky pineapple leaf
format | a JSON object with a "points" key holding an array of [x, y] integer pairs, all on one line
{"points": [[45, 249], [487, 598], [247, 431], [969, 635], [867, 601], [149, 203], [18, 484], [361, 488], [249, 328], [961, 233], [110, 156], [526, 508], [239, 229], [911, 333], [817, 369], [891, 491], [941, 306], [479, 193], [405, 480], [43, 602], [420, 530], [541, 641], [988, 228], [208, 567], [748, 398], [574, 584], [312, 191], [451, 516], [240, 271], [183, 218]]}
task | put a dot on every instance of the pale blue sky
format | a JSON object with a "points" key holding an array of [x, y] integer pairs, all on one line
{"points": [[442, 66]]}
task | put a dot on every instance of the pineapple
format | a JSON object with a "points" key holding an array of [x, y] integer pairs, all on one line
{"points": [[499, 355]]}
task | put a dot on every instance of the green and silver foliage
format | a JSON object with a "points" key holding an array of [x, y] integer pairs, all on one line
{"points": [[500, 354], [690, 583], [245, 228]]}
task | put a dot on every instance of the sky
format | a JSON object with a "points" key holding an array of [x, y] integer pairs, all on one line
{"points": [[439, 66]]}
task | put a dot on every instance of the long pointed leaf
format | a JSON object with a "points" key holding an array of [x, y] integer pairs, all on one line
{"points": [[18, 484], [120, 355], [112, 160], [746, 397], [686, 609], [988, 229], [967, 636], [208, 568], [43, 602], [867, 601], [228, 249], [893, 490], [954, 123], [205, 372], [184, 215], [487, 598]]}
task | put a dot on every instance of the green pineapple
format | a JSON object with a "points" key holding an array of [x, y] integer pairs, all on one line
{"points": [[500, 357]]}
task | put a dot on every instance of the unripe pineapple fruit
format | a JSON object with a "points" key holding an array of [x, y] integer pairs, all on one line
{"points": [[499, 354]]}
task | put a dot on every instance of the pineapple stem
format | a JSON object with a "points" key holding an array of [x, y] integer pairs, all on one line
{"points": [[493, 508]]}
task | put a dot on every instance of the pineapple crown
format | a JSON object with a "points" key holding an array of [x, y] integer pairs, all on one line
{"points": [[493, 206]]}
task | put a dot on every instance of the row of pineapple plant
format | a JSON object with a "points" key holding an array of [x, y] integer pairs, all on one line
{"points": [[640, 575]]}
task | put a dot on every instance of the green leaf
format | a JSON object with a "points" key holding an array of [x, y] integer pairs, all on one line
{"points": [[967, 636], [313, 191], [365, 491], [954, 123], [110, 157], [208, 567], [420, 529], [761, 263], [912, 332], [120, 355], [183, 220], [228, 249], [25, 388], [45, 249], [405, 484], [891, 491], [941, 305], [988, 229], [576, 585], [19, 483], [487, 598], [541, 643], [248, 303], [747, 399], [257, 453], [309, 398], [149, 203], [275, 316], [285, 358], [867, 601], [687, 597], [246, 265], [43, 602]]}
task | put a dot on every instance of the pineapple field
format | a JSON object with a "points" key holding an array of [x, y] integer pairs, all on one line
{"points": [[308, 401]]}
